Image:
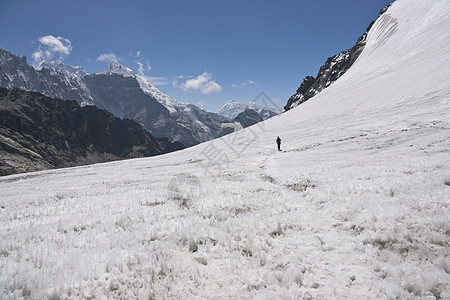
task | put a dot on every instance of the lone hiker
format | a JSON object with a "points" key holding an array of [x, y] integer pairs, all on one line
{"points": [[279, 143]]}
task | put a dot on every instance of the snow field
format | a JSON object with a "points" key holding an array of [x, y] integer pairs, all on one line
{"points": [[355, 207], [397, 208], [361, 211]]}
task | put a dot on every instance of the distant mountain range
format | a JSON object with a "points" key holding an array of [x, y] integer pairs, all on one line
{"points": [[123, 93], [38, 132], [241, 115], [233, 108]]}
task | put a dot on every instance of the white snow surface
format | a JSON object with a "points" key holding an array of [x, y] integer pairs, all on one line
{"points": [[356, 206]]}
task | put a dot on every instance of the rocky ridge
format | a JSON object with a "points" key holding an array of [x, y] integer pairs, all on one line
{"points": [[38, 133], [334, 67]]}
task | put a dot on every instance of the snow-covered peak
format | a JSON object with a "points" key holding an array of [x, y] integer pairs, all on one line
{"points": [[57, 66], [147, 87], [116, 68], [232, 108]]}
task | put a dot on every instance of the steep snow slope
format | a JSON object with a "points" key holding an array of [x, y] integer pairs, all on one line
{"points": [[355, 207]]}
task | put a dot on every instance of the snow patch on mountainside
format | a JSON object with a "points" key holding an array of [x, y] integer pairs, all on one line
{"points": [[57, 66], [167, 101], [171, 104]]}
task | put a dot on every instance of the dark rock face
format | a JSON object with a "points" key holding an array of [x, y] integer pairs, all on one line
{"points": [[123, 97], [334, 67], [38, 132], [15, 72], [248, 118]]}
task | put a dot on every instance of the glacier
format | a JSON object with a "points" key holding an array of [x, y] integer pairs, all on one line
{"points": [[356, 205]]}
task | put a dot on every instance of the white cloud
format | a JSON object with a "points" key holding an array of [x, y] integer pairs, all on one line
{"points": [[202, 83], [142, 68], [52, 48], [107, 57], [244, 84]]}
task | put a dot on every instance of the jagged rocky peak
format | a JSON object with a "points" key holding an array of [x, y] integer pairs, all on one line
{"points": [[38, 132], [232, 108], [56, 80], [72, 71], [116, 68], [334, 68], [7, 56]]}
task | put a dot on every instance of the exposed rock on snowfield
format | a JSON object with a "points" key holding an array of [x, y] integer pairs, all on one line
{"points": [[333, 68], [38, 133]]}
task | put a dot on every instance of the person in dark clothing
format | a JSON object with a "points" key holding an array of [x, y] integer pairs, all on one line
{"points": [[279, 143]]}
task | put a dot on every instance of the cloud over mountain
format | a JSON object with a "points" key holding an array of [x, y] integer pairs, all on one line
{"points": [[52, 48], [107, 57], [202, 83]]}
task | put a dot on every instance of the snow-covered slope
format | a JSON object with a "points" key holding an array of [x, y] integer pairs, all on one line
{"points": [[356, 205], [332, 70]]}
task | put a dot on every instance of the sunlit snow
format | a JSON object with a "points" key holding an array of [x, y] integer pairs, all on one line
{"points": [[356, 206]]}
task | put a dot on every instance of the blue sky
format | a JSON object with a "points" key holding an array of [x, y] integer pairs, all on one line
{"points": [[205, 52]]}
